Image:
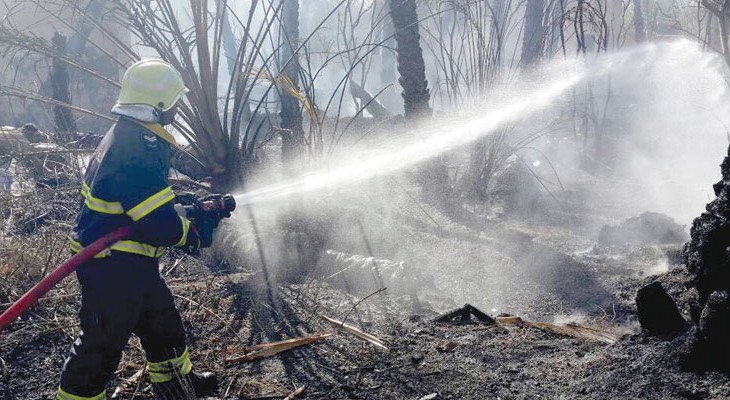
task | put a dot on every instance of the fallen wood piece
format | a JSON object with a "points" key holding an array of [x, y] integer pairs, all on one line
{"points": [[295, 393], [464, 314], [371, 104], [578, 332], [510, 321], [357, 333], [572, 330], [133, 381], [269, 349]]}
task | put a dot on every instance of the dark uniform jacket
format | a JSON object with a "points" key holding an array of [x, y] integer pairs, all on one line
{"points": [[126, 182]]}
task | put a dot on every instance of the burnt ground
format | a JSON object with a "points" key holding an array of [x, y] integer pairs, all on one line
{"points": [[544, 265]]}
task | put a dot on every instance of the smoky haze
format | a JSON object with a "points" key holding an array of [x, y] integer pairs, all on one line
{"points": [[677, 128], [663, 115]]}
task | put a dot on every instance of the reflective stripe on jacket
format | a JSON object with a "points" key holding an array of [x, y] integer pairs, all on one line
{"points": [[126, 182]]}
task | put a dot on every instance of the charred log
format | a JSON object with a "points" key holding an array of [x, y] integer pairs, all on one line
{"points": [[371, 104], [464, 315]]}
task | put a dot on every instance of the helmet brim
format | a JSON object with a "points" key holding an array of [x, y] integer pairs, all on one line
{"points": [[177, 98]]}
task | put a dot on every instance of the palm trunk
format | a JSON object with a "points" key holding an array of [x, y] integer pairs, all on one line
{"points": [[532, 43], [291, 113], [411, 67], [63, 120], [433, 177]]}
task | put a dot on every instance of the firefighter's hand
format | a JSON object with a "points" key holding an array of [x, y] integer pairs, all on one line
{"points": [[192, 242], [205, 228], [200, 236]]}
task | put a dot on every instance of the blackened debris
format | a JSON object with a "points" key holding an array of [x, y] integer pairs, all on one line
{"points": [[658, 313], [707, 257], [464, 314]]}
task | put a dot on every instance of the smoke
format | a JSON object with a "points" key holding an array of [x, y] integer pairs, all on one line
{"points": [[661, 107], [660, 267], [666, 116], [656, 132]]}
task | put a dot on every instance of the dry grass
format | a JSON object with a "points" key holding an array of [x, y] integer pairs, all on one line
{"points": [[33, 238]]}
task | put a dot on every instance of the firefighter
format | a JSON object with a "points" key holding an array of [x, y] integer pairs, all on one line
{"points": [[122, 290]]}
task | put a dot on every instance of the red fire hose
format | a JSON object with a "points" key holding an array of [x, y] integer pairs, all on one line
{"points": [[45, 284]]}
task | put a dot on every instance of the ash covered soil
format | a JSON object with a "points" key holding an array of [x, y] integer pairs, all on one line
{"points": [[544, 265]]}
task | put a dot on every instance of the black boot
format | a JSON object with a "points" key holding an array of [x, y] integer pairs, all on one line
{"points": [[204, 383]]}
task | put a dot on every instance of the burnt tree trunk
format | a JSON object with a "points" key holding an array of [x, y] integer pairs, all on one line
{"points": [[411, 67], [433, 177], [291, 113], [532, 42], [62, 118]]}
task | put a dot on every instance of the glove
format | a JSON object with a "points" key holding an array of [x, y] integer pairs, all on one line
{"points": [[204, 229], [199, 237], [192, 242]]}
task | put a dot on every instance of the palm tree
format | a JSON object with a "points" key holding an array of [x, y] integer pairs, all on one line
{"points": [[291, 112], [411, 67]]}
